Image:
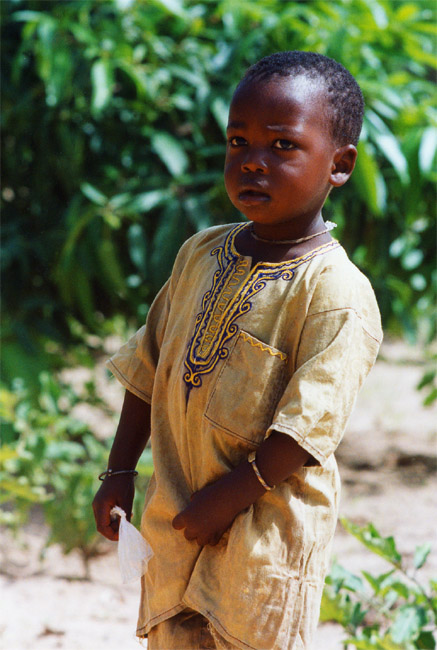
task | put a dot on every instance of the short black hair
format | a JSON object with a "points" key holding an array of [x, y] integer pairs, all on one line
{"points": [[345, 99]]}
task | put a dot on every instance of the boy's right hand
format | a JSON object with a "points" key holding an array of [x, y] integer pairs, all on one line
{"points": [[114, 491]]}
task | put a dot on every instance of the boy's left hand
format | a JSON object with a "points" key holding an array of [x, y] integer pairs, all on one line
{"points": [[213, 508], [208, 516]]}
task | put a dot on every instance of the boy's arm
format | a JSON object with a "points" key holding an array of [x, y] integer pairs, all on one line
{"points": [[132, 435], [213, 509]]}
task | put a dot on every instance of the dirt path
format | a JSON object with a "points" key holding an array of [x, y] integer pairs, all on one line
{"points": [[388, 466]]}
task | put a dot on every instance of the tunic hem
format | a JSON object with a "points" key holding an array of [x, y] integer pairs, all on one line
{"points": [[218, 626], [169, 613]]}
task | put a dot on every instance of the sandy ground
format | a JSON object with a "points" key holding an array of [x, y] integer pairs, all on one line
{"points": [[388, 466]]}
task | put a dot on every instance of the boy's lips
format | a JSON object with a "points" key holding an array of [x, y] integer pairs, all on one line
{"points": [[253, 197]]}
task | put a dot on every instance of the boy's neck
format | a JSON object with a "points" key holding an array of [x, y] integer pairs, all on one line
{"points": [[263, 252]]}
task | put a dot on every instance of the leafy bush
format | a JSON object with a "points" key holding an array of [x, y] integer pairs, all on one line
{"points": [[51, 458], [113, 119], [391, 611]]}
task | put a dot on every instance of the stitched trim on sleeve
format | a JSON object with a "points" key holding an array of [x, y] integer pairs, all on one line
{"points": [[126, 383], [302, 442]]}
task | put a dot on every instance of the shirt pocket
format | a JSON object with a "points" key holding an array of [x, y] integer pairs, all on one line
{"points": [[247, 389]]}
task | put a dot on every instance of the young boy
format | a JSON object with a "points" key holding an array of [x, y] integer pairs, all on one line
{"points": [[245, 375]]}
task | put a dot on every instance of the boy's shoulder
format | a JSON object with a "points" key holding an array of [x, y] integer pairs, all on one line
{"points": [[210, 234], [202, 242], [339, 284]]}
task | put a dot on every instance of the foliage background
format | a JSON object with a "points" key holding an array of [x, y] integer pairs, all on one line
{"points": [[113, 118]]}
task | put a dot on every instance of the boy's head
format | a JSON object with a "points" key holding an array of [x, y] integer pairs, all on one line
{"points": [[294, 121], [344, 100]]}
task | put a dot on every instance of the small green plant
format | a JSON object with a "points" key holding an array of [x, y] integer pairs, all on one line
{"points": [[52, 459], [428, 382], [390, 611]]}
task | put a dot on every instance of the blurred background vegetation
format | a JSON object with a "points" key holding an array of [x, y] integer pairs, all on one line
{"points": [[113, 143], [113, 118]]}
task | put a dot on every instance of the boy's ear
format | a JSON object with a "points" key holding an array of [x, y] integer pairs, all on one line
{"points": [[343, 164]]}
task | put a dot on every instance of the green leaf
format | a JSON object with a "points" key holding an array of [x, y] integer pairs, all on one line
{"points": [[407, 623], [172, 6], [391, 149], [93, 194], [386, 643], [368, 180], [412, 259], [420, 554], [138, 247], [110, 265], [427, 378], [378, 582], [14, 488], [427, 149], [102, 78], [83, 295], [166, 242], [8, 402], [220, 110], [334, 608], [426, 641], [138, 76], [7, 453], [378, 13], [387, 143], [431, 398], [170, 152], [146, 201], [370, 537], [406, 11], [347, 580], [28, 16], [119, 200], [401, 589], [418, 281], [376, 642], [124, 5], [46, 33]]}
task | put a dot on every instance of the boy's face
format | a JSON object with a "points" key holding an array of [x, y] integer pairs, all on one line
{"points": [[280, 155]]}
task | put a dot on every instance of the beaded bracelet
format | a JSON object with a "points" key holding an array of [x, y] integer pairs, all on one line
{"points": [[110, 472], [252, 460]]}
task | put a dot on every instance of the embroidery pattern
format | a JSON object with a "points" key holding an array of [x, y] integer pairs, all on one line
{"points": [[233, 287], [264, 348]]}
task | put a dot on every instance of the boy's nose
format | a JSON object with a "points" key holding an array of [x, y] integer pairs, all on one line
{"points": [[254, 162]]}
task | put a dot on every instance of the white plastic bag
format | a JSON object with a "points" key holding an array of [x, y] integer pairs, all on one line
{"points": [[133, 550]]}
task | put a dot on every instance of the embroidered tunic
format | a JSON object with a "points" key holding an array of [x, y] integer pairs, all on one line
{"points": [[230, 353]]}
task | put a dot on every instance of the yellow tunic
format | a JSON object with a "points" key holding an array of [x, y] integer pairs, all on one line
{"points": [[230, 353]]}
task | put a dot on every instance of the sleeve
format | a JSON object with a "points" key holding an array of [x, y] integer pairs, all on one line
{"points": [[337, 349], [134, 365]]}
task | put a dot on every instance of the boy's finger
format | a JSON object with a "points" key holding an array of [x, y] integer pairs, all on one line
{"points": [[108, 530], [110, 534], [178, 522], [115, 525], [104, 525], [191, 537]]}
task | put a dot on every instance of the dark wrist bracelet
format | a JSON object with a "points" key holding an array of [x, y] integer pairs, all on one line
{"points": [[110, 472]]}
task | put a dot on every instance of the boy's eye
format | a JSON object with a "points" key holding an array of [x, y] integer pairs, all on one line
{"points": [[237, 141], [283, 144]]}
